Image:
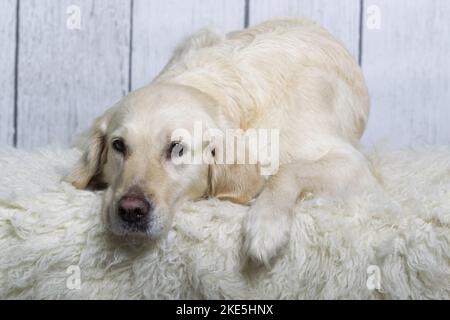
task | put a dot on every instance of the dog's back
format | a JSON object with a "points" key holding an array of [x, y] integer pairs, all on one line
{"points": [[284, 73]]}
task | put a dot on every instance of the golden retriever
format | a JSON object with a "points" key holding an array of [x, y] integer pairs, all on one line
{"points": [[288, 75]]}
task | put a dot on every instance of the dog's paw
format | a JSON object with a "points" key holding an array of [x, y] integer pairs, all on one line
{"points": [[265, 233]]}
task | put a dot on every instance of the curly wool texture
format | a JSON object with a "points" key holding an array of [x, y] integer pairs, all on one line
{"points": [[46, 226]]}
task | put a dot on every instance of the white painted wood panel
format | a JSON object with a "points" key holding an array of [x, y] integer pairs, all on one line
{"points": [[341, 17], [69, 76], [407, 65], [158, 27], [7, 70]]}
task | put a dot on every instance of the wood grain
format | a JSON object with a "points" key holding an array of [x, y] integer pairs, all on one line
{"points": [[341, 17], [407, 66], [7, 70], [158, 26], [69, 76]]}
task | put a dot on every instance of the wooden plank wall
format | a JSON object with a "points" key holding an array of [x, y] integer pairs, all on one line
{"points": [[407, 65], [56, 78], [7, 70], [67, 76], [158, 26]]}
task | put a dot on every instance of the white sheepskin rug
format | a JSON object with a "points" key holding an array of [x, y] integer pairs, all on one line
{"points": [[394, 245]]}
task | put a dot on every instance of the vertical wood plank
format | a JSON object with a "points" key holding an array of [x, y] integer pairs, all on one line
{"points": [[7, 69], [407, 66], [160, 25], [341, 18], [68, 76]]}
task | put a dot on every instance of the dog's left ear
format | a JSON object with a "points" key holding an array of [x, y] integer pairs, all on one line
{"points": [[87, 171]]}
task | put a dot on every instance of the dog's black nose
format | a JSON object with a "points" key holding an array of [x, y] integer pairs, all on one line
{"points": [[134, 209]]}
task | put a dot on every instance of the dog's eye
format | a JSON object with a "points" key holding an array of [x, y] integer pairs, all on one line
{"points": [[176, 150], [119, 146]]}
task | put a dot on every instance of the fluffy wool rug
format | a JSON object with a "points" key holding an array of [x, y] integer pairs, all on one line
{"points": [[393, 245]]}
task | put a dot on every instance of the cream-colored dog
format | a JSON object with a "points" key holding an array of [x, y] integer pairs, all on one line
{"points": [[288, 74]]}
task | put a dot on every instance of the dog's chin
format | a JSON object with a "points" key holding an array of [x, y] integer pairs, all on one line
{"points": [[138, 233]]}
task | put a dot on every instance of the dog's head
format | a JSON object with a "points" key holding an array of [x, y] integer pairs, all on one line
{"points": [[143, 152]]}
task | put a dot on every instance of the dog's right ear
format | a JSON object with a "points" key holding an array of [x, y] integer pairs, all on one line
{"points": [[88, 170]]}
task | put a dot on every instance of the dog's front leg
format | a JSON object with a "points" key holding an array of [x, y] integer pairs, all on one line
{"points": [[267, 227]]}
